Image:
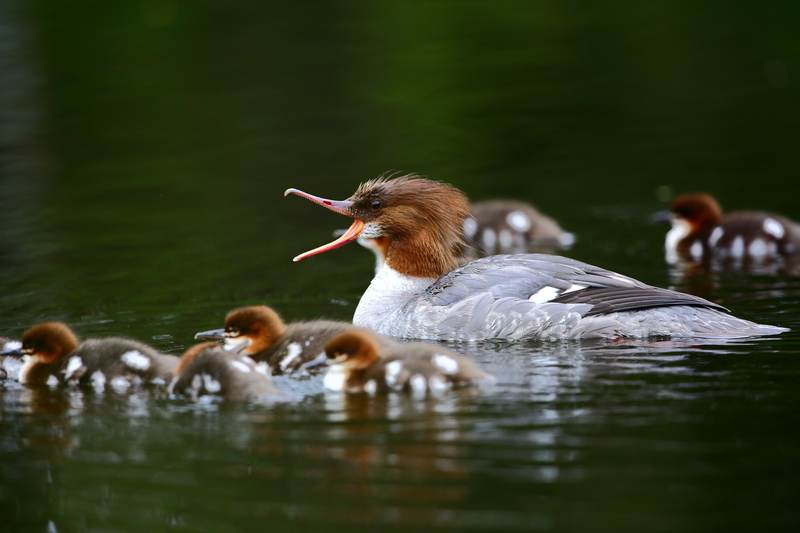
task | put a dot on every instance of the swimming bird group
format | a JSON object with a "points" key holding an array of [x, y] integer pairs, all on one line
{"points": [[428, 285]]}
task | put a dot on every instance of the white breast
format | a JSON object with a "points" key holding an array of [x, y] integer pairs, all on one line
{"points": [[387, 293]]}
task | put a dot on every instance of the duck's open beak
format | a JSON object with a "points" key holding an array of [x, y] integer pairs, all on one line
{"points": [[343, 207]]}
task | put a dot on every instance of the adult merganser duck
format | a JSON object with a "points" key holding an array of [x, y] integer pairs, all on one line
{"points": [[420, 292], [208, 370], [361, 362], [701, 231], [259, 332], [511, 226], [56, 356]]}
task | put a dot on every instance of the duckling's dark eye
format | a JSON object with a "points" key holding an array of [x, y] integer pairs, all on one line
{"points": [[375, 204]]}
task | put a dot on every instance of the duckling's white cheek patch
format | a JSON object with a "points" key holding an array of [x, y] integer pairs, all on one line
{"points": [[518, 221], [774, 228], [293, 351], [135, 360], [445, 363], [393, 370]]}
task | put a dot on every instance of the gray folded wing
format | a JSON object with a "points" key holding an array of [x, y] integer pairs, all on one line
{"points": [[553, 279]]}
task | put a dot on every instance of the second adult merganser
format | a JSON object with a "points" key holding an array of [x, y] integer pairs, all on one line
{"points": [[259, 332], [56, 356], [511, 226], [701, 231], [420, 292], [362, 362], [208, 370]]}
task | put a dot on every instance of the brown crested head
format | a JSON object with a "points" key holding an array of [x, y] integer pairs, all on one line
{"points": [[49, 341], [700, 210], [260, 324], [192, 353], [355, 348], [417, 222]]}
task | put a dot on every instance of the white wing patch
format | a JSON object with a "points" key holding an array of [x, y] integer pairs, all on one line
{"points": [[211, 385], [737, 247], [575, 287], [52, 381], [419, 385], [98, 380], [445, 363], [758, 248], [293, 351], [120, 384], [715, 236], [774, 228], [545, 294], [489, 239], [241, 367], [135, 360], [370, 387], [518, 221], [74, 364]]}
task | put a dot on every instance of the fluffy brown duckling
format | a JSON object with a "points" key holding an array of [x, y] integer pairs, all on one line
{"points": [[360, 362], [207, 369], [700, 230], [55, 355], [259, 332]]}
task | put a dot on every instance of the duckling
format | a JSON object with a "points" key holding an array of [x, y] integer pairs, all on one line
{"points": [[700, 230], [511, 226], [259, 332], [56, 356], [207, 369], [360, 362]]}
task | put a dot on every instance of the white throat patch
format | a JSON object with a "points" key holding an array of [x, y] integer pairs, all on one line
{"points": [[680, 230]]}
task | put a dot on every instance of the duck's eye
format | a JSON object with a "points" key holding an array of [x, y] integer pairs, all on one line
{"points": [[232, 332], [375, 204]]}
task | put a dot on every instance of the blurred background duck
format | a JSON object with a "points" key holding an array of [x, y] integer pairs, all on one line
{"points": [[700, 231]]}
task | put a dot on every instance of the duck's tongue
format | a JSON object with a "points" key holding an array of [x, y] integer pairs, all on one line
{"points": [[337, 206]]}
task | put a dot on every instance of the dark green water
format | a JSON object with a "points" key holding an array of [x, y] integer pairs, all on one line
{"points": [[144, 147]]}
